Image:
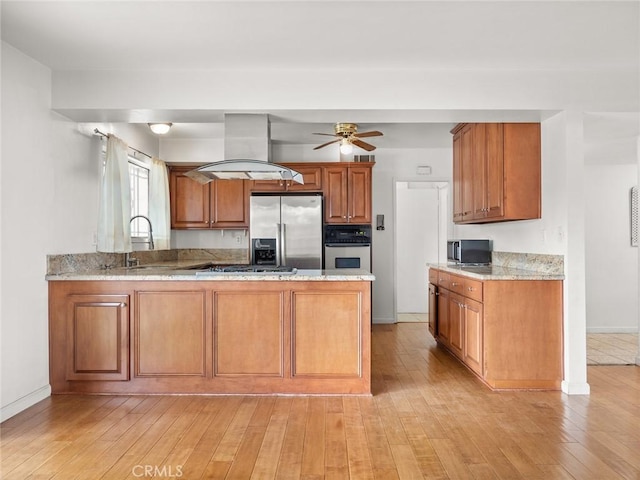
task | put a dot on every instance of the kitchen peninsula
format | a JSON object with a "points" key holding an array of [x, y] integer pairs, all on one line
{"points": [[503, 323], [161, 328]]}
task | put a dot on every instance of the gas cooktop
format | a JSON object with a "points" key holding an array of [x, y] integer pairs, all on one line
{"points": [[247, 270]]}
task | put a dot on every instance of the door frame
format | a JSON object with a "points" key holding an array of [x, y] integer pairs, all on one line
{"points": [[444, 208]]}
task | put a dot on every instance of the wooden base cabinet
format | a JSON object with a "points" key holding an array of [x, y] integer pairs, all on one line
{"points": [[508, 332], [97, 337], [215, 337]]}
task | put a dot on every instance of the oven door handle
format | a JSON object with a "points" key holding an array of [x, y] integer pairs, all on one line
{"points": [[347, 244]]}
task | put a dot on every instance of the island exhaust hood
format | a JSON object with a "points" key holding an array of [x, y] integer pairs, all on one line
{"points": [[247, 152]]}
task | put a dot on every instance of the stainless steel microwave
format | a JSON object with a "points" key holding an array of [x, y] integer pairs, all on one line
{"points": [[469, 252]]}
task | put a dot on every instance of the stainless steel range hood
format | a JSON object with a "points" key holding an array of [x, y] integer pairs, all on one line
{"points": [[247, 153]]}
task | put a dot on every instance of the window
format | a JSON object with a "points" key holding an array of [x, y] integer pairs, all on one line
{"points": [[139, 181]]}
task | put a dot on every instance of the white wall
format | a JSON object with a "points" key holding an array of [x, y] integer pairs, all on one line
{"points": [[28, 218], [49, 200], [392, 165], [611, 261], [417, 221]]}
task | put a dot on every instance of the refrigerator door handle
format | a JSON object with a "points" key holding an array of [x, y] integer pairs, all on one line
{"points": [[278, 243], [283, 245]]}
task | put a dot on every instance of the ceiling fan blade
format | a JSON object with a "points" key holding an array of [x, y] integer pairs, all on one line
{"points": [[325, 144], [363, 145], [328, 134], [373, 133]]}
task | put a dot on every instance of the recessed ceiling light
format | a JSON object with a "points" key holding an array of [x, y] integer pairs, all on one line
{"points": [[160, 128]]}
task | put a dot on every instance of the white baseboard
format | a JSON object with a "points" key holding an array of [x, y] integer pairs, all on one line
{"points": [[612, 329], [575, 388], [383, 320], [25, 402]]}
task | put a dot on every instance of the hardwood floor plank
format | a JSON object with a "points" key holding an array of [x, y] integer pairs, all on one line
{"points": [[232, 437], [451, 459], [314, 438], [359, 460], [245, 458], [406, 462], [335, 462], [266, 464], [222, 409], [429, 418], [290, 462]]}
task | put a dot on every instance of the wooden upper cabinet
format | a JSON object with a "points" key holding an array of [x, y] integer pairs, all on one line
{"points": [[496, 172], [229, 203], [457, 176], [347, 193], [311, 174], [217, 204], [467, 165]]}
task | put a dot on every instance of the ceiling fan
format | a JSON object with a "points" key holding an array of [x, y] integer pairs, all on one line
{"points": [[348, 136]]}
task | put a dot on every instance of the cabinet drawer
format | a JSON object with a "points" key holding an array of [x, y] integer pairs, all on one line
{"points": [[456, 284], [433, 276], [443, 279], [473, 289]]}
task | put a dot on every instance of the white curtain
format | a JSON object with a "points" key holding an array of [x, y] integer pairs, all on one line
{"points": [[114, 234], [159, 210]]}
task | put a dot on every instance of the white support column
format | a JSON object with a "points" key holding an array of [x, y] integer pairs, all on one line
{"points": [[575, 323], [638, 353]]}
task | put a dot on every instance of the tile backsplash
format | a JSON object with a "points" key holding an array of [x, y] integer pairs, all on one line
{"points": [[81, 262]]}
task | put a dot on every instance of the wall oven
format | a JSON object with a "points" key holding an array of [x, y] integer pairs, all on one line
{"points": [[347, 246]]}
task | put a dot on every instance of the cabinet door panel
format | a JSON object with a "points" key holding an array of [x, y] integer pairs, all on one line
{"points": [[479, 171], [457, 177], [98, 337], [229, 203], [467, 172], [326, 334], [456, 324], [189, 202], [494, 170], [335, 195], [251, 326], [163, 318], [359, 187], [473, 336], [443, 316], [268, 186], [312, 177], [433, 310]]}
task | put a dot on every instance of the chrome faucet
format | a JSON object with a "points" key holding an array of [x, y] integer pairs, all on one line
{"points": [[150, 228], [128, 260]]}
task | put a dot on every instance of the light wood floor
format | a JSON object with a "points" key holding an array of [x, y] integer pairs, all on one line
{"points": [[428, 418], [612, 348]]}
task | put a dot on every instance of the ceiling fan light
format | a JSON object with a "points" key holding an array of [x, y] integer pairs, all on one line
{"points": [[160, 128], [345, 147]]}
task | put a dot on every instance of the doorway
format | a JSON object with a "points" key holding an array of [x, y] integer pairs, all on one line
{"points": [[420, 239]]}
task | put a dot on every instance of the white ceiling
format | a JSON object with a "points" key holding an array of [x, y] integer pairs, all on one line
{"points": [[330, 35], [168, 35]]}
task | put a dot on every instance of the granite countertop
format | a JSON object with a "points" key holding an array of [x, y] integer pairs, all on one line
{"points": [[182, 270], [492, 272]]}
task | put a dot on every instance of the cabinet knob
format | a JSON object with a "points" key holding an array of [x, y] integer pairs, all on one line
{"points": [[471, 289], [454, 284]]}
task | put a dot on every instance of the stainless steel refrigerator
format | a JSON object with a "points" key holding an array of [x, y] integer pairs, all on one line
{"points": [[286, 230]]}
